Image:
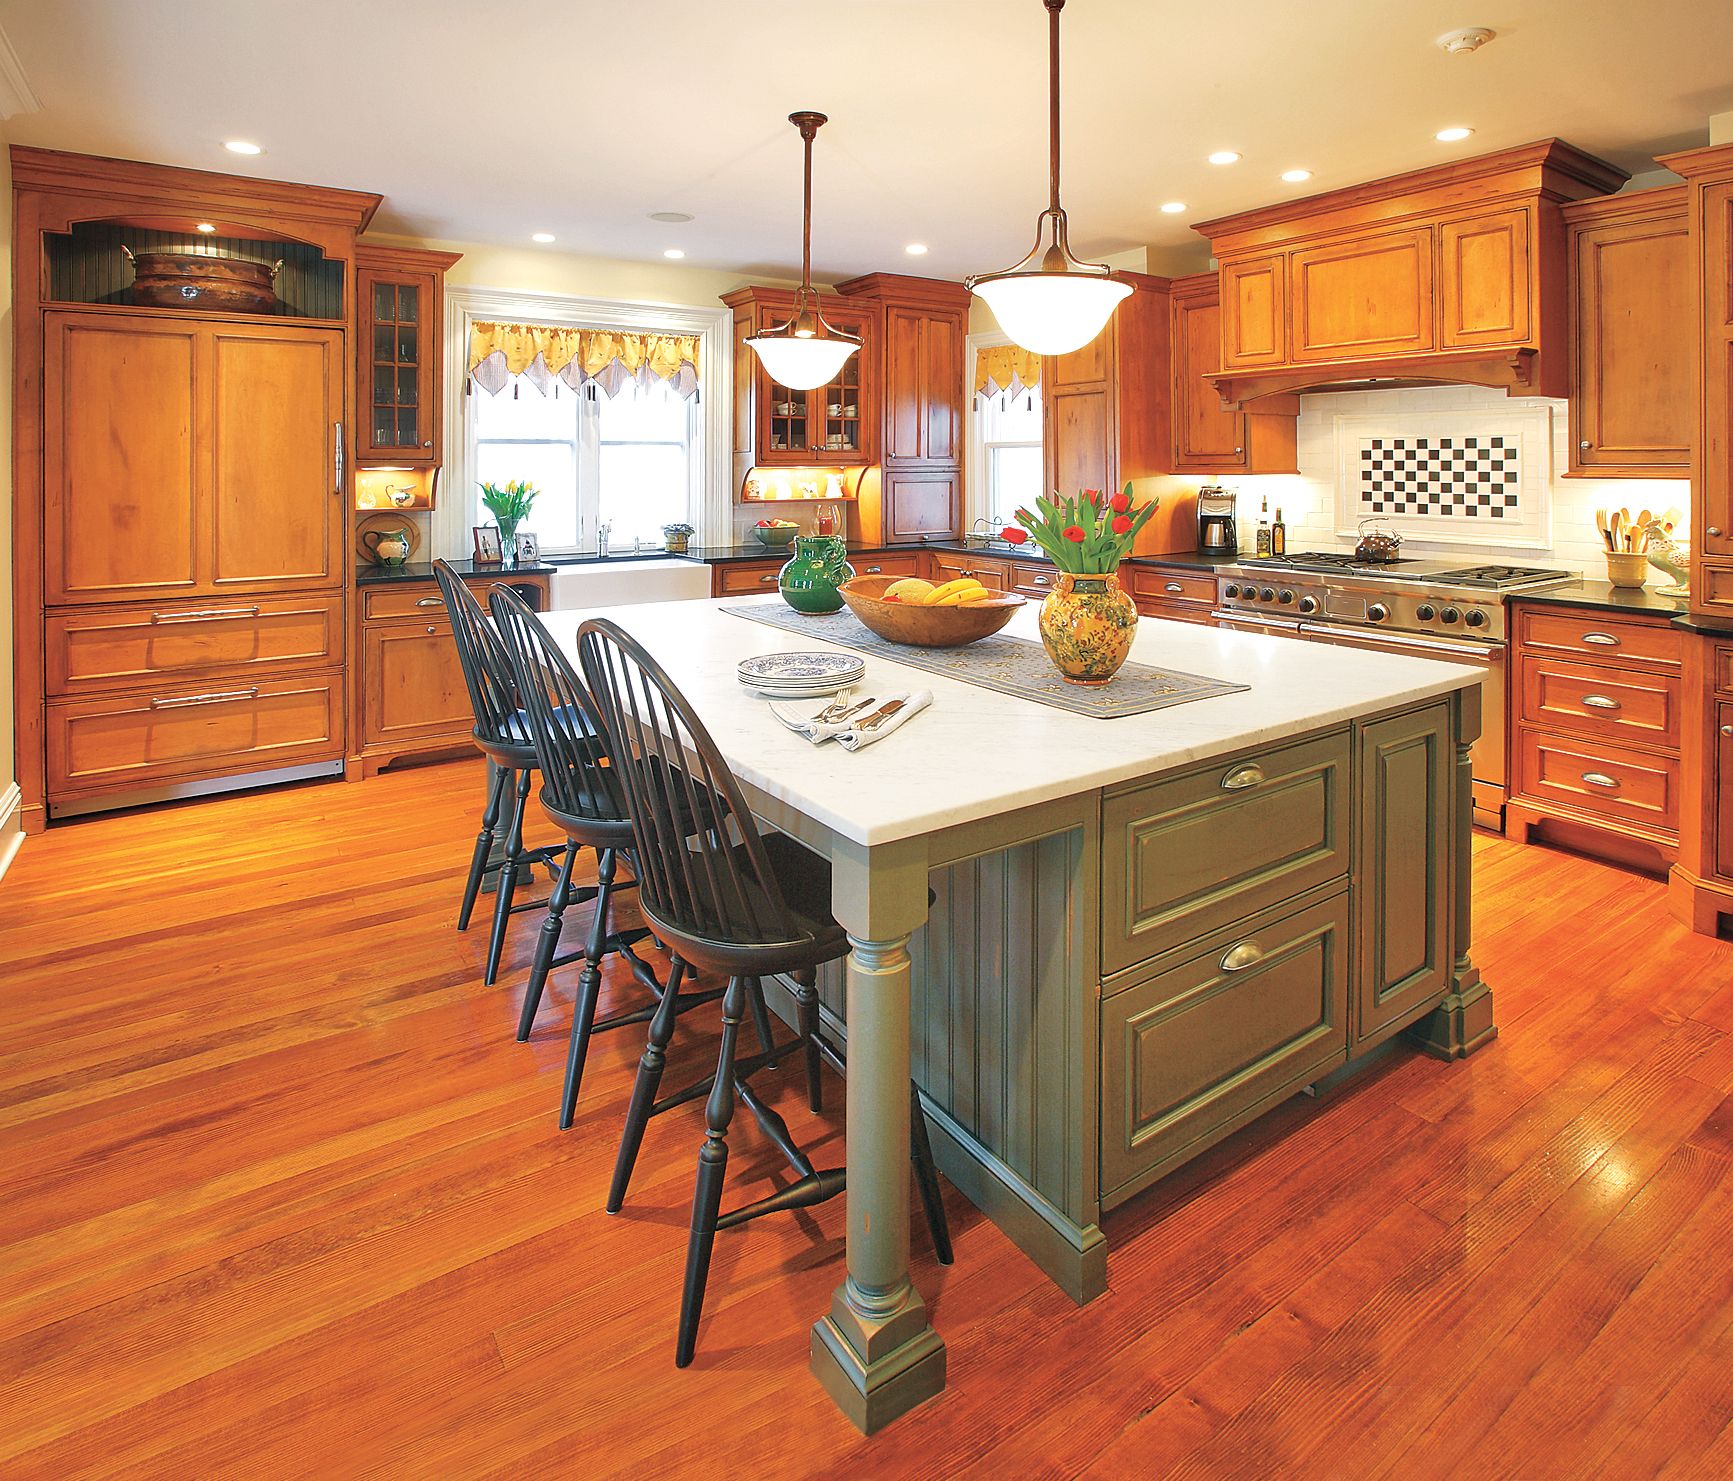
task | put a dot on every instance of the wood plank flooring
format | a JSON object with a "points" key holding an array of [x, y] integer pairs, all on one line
{"points": [[280, 1195]]}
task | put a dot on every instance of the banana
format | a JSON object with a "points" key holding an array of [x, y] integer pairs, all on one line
{"points": [[955, 599], [936, 597]]}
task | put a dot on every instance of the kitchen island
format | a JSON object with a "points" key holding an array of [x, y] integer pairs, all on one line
{"points": [[1145, 931]]}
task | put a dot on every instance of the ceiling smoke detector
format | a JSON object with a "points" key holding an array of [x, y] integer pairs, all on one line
{"points": [[1469, 38]]}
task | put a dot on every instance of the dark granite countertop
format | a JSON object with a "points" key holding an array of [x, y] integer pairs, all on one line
{"points": [[1181, 560], [1602, 597], [423, 571]]}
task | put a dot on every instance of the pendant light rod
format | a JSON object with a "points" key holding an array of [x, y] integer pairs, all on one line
{"points": [[809, 124], [1053, 9]]}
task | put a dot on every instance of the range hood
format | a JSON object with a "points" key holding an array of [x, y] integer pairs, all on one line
{"points": [[1510, 371]]}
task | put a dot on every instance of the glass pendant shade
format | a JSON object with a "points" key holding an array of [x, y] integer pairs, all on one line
{"points": [[1052, 313]]}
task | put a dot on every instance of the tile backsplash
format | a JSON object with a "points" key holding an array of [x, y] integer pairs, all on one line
{"points": [[1552, 521]]}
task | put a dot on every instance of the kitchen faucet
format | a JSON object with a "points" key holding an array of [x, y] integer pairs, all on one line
{"points": [[603, 530]]}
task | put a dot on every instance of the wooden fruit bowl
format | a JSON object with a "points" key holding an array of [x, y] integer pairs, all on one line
{"points": [[925, 627]]}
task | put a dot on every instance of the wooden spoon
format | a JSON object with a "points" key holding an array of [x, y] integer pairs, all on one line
{"points": [[1601, 525]]}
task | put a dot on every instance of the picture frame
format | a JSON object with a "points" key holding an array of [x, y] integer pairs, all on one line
{"points": [[529, 548], [488, 551]]}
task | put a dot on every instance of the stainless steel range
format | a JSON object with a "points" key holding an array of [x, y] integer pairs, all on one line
{"points": [[1429, 609]]}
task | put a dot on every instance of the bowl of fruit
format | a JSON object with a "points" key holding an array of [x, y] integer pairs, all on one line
{"points": [[929, 614], [776, 533]]}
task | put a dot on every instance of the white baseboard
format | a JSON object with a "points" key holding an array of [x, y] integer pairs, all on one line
{"points": [[11, 826]]}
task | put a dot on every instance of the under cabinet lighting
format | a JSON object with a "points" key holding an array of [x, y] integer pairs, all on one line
{"points": [[1225, 157], [544, 237], [205, 226], [1452, 135], [242, 146], [1296, 177]]}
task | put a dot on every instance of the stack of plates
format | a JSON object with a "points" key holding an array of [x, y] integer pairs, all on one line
{"points": [[801, 675]]}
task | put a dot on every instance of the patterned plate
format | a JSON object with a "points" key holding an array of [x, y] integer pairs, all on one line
{"points": [[792, 670]]}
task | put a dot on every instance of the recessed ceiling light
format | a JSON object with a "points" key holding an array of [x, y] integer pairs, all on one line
{"points": [[242, 146], [674, 252], [1173, 208], [1225, 157], [674, 216], [1452, 135], [541, 236], [916, 249], [206, 226], [1295, 177]]}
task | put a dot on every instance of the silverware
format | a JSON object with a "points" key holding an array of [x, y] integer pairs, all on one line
{"points": [[840, 710], [880, 715]]}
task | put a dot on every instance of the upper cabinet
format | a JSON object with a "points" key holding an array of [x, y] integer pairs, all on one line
{"points": [[834, 425], [1448, 274], [1633, 412], [399, 344], [1207, 437]]}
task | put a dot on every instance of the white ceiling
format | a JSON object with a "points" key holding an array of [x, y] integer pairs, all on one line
{"points": [[486, 120]]}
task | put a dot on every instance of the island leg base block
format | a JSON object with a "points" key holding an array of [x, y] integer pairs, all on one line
{"points": [[1459, 1025], [904, 1364]]}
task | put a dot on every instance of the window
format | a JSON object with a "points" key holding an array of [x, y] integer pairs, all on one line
{"points": [[1009, 428], [631, 461]]}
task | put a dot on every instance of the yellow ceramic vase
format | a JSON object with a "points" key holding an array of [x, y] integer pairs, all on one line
{"points": [[1087, 624]]}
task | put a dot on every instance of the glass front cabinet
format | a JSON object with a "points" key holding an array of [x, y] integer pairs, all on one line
{"points": [[399, 299]]}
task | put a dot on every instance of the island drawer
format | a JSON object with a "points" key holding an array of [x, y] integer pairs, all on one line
{"points": [[1631, 787], [736, 577], [180, 642], [1031, 578], [1209, 1043], [1630, 705], [1196, 852], [1600, 636], [1172, 586]]}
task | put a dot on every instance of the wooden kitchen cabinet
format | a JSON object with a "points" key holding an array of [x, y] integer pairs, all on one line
{"points": [[1253, 327], [1369, 296], [1208, 438], [1723, 815], [399, 355], [1178, 596], [1484, 268], [1632, 404]]}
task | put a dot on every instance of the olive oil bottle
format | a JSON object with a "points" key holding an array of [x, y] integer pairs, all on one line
{"points": [[1264, 534], [1278, 535]]}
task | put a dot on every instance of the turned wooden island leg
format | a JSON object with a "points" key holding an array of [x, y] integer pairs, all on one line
{"points": [[875, 1352]]}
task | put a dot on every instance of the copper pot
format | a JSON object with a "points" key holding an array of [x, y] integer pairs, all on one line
{"points": [[191, 280]]}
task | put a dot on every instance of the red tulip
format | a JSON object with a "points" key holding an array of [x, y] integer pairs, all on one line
{"points": [[1121, 524], [1074, 533], [1121, 502], [1011, 535]]}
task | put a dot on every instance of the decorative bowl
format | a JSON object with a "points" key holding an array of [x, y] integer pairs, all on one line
{"points": [[925, 627], [777, 537]]}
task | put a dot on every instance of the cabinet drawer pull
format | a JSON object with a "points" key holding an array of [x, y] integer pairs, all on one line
{"points": [[182, 702], [1038, 581], [1240, 955], [1242, 777], [1176, 588], [212, 614], [1601, 640], [875, 570], [1601, 702], [1727, 730], [1600, 779], [430, 601], [1714, 530], [766, 580]]}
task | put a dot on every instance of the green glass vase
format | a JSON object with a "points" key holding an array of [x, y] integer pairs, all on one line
{"points": [[809, 581]]}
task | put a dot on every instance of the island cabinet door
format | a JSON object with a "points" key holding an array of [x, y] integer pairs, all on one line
{"points": [[1219, 1036], [1199, 851], [1402, 961]]}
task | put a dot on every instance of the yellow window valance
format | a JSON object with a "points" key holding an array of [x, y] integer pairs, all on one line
{"points": [[543, 353], [1006, 368]]}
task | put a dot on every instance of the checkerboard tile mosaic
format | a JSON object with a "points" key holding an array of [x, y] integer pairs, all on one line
{"points": [[1442, 477]]}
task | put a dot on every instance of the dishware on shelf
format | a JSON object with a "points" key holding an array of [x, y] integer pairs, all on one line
{"points": [[372, 528], [390, 548], [926, 627], [810, 580]]}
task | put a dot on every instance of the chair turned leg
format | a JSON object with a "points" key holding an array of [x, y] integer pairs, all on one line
{"points": [[589, 988], [644, 1088], [514, 845], [760, 1016], [927, 1178], [483, 845], [547, 943], [806, 996], [712, 1166]]}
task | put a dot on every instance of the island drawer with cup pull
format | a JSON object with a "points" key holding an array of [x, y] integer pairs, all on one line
{"points": [[1637, 789], [1031, 578], [1212, 1039], [421, 599], [1195, 852], [1600, 637], [1630, 705], [233, 724], [92, 650], [1170, 586], [734, 578]]}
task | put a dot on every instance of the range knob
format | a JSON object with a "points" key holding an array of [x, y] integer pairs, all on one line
{"points": [[1308, 605], [1450, 616], [1377, 612], [1232, 589], [1284, 596], [1475, 617], [1426, 611], [1268, 594]]}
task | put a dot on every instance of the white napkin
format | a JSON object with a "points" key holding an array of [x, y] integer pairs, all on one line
{"points": [[847, 733]]}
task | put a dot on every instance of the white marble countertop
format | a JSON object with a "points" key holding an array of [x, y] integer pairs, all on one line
{"points": [[975, 753]]}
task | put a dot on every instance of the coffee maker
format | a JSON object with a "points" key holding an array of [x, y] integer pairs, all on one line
{"points": [[1217, 534]]}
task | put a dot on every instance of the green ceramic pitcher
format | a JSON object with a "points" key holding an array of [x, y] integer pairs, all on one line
{"points": [[810, 580]]}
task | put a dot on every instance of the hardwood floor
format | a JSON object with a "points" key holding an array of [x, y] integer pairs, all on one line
{"points": [[280, 1195]]}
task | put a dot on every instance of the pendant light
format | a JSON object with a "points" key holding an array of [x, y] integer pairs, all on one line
{"points": [[1050, 302], [805, 352]]}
